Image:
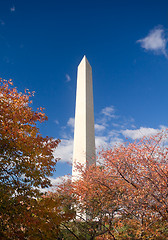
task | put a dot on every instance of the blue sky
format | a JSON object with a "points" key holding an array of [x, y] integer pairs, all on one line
{"points": [[42, 42]]}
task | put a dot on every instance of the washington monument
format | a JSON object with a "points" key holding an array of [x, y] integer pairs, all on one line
{"points": [[84, 133]]}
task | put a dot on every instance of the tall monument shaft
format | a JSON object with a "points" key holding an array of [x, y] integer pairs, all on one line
{"points": [[84, 133]]}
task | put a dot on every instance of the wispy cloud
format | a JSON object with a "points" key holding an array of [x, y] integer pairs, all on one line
{"points": [[106, 116], [103, 136], [99, 127], [55, 181], [139, 133], [109, 111], [155, 41], [56, 121], [110, 130], [101, 142], [12, 9], [64, 150], [59, 180], [71, 122], [68, 78]]}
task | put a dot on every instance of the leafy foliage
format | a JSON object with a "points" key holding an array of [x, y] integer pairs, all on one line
{"points": [[125, 196], [26, 162]]}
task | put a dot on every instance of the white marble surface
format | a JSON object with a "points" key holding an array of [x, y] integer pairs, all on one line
{"points": [[84, 133]]}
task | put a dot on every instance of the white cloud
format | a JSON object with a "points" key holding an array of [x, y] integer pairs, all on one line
{"points": [[71, 122], [163, 127], [99, 127], [108, 140], [101, 142], [115, 125], [64, 151], [109, 133], [59, 180], [108, 111], [155, 41], [56, 121], [139, 133], [114, 138], [55, 182], [68, 78], [105, 142], [12, 9], [104, 137]]}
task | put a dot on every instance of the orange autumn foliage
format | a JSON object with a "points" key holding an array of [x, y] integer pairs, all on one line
{"points": [[26, 163], [126, 195]]}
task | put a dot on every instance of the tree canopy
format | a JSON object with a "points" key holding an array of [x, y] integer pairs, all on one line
{"points": [[26, 163], [125, 195]]}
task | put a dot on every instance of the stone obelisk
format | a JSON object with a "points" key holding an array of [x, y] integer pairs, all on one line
{"points": [[84, 133]]}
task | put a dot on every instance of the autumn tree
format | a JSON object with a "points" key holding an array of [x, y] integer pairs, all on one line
{"points": [[26, 163], [126, 195]]}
